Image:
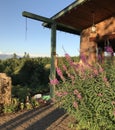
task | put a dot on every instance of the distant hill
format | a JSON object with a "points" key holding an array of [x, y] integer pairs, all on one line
{"points": [[6, 56]]}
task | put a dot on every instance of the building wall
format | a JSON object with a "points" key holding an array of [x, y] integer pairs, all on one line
{"points": [[88, 47]]}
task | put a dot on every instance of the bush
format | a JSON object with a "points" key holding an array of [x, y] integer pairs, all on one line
{"points": [[13, 107], [88, 93], [20, 92]]}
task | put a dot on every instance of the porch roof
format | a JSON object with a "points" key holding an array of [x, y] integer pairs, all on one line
{"points": [[78, 15]]}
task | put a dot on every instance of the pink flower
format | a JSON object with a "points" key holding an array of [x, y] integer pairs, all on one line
{"points": [[76, 92], [59, 94], [77, 65], [72, 77], [64, 68], [105, 79], [54, 81], [99, 57], [68, 74], [83, 58], [95, 71], [109, 49], [72, 63], [59, 72], [101, 70], [113, 103], [65, 93], [100, 94], [106, 82], [67, 57], [75, 104], [79, 96]]}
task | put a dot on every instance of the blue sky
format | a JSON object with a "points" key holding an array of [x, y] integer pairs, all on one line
{"points": [[13, 32]]}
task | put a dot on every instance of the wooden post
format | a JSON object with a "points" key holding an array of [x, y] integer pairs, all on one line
{"points": [[53, 44], [53, 58]]}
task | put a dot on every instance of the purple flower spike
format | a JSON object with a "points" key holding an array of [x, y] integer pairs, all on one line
{"points": [[54, 81]]}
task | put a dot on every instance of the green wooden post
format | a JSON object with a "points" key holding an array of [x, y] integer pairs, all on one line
{"points": [[53, 58]]}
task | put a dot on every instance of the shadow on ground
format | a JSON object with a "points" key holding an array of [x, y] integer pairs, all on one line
{"points": [[36, 119]]}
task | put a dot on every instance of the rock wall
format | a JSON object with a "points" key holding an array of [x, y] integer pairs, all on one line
{"points": [[5, 89]]}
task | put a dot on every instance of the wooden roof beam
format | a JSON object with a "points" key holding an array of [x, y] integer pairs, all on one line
{"points": [[50, 21]]}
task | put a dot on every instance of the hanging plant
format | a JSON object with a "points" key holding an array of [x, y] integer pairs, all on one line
{"points": [[108, 48]]}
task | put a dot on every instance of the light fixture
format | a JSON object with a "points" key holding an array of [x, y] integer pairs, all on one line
{"points": [[93, 27]]}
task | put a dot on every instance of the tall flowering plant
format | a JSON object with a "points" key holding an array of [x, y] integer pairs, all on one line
{"points": [[88, 93]]}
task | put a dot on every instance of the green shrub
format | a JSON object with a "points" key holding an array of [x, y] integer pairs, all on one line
{"points": [[34, 103], [10, 108], [88, 93], [20, 92]]}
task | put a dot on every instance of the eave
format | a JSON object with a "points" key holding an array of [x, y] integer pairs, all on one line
{"points": [[78, 15]]}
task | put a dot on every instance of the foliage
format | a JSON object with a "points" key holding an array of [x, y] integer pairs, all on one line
{"points": [[28, 106], [88, 93], [34, 103], [10, 108], [26, 73], [20, 92], [21, 106], [16, 105], [29, 75]]}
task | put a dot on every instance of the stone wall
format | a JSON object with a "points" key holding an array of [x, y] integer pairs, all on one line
{"points": [[5, 89], [107, 27]]}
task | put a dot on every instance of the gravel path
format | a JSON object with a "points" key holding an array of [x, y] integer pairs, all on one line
{"points": [[46, 118]]}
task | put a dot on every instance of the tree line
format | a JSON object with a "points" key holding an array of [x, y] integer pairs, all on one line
{"points": [[29, 75]]}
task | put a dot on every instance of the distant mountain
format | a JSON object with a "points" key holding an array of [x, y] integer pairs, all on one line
{"points": [[6, 56]]}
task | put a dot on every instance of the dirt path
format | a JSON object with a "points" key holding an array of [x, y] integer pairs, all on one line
{"points": [[45, 118]]}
